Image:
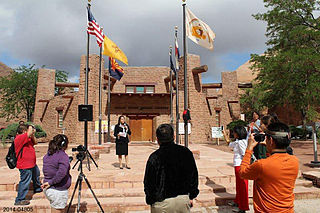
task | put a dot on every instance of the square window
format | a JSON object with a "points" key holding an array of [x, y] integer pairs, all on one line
{"points": [[129, 89], [149, 89], [140, 89]]}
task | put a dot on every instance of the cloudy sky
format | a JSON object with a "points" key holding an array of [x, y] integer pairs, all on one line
{"points": [[53, 32]]}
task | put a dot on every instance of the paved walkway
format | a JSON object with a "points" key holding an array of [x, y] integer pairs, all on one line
{"points": [[118, 188]]}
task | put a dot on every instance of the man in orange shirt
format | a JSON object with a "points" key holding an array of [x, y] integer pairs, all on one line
{"points": [[274, 177]]}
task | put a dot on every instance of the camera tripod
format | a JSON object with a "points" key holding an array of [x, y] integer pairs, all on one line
{"points": [[84, 151], [81, 176]]}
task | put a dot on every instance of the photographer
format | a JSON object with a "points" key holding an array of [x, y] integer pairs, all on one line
{"points": [[26, 162], [57, 179], [239, 147], [274, 177], [121, 132]]}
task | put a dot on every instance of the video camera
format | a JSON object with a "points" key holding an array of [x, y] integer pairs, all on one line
{"points": [[259, 137], [81, 152]]}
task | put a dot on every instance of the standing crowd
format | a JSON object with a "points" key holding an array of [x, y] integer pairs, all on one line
{"points": [[261, 154]]}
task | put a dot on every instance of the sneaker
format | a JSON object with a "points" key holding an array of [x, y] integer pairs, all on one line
{"points": [[22, 203], [233, 204], [38, 191], [238, 210], [235, 209]]}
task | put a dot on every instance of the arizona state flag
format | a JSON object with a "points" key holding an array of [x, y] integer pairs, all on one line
{"points": [[112, 50], [198, 31], [116, 71]]}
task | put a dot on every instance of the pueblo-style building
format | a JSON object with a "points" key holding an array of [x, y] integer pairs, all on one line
{"points": [[143, 96]]}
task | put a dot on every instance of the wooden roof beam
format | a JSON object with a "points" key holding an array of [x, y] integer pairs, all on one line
{"points": [[167, 79], [212, 85], [66, 84], [201, 69]]}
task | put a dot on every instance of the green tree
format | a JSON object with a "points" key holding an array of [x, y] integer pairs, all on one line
{"points": [[61, 76], [18, 91], [250, 102], [289, 70]]}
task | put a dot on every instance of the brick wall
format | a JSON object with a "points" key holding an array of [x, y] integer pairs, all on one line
{"points": [[155, 104], [45, 91]]}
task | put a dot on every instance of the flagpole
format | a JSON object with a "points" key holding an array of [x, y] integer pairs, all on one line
{"points": [[109, 101], [171, 95], [100, 93], [86, 88], [177, 91], [185, 72]]}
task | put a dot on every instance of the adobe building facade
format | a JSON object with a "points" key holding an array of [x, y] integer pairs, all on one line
{"points": [[143, 96]]}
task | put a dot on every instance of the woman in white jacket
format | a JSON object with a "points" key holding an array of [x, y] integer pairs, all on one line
{"points": [[239, 147]]}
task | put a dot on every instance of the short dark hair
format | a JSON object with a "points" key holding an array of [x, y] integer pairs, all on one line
{"points": [[58, 142], [275, 116], [274, 131], [267, 120], [165, 133], [240, 131], [21, 128]]}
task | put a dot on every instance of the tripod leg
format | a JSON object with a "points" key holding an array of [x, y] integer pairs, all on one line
{"points": [[94, 195], [88, 160], [92, 159], [79, 194], [75, 164], [74, 191]]}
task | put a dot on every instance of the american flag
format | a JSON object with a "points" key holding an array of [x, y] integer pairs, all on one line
{"points": [[94, 28]]}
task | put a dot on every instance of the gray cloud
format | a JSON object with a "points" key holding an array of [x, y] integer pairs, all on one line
{"points": [[53, 33]]}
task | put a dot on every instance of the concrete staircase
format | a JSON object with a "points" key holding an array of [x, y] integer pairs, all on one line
{"points": [[128, 195], [122, 190]]}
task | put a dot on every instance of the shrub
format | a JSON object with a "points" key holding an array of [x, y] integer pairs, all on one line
{"points": [[11, 131], [232, 124]]}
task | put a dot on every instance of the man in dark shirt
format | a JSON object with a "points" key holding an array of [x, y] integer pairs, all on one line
{"points": [[171, 176]]}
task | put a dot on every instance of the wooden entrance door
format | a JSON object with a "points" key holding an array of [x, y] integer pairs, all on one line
{"points": [[141, 129]]}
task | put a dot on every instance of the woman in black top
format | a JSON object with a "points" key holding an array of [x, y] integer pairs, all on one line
{"points": [[121, 132]]}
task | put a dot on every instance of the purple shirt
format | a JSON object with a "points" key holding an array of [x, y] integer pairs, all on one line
{"points": [[56, 170]]}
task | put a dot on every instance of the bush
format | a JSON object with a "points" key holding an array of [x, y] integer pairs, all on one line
{"points": [[11, 131], [232, 124]]}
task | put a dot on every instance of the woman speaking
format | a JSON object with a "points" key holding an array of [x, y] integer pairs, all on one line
{"points": [[121, 132]]}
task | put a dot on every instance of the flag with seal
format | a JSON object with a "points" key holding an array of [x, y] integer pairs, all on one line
{"points": [[198, 31]]}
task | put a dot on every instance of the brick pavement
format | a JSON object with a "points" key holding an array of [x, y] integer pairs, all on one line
{"points": [[122, 190]]}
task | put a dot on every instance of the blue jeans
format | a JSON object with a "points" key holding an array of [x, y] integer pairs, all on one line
{"points": [[25, 178]]}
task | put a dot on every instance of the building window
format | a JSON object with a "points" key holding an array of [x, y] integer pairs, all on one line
{"points": [[130, 89], [60, 118], [150, 89], [217, 118], [140, 89]]}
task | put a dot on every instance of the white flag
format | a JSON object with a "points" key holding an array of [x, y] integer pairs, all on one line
{"points": [[198, 31]]}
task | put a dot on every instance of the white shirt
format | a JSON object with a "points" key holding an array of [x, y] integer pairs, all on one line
{"points": [[124, 131], [239, 148]]}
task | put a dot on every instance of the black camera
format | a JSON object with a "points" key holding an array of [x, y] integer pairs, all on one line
{"points": [[79, 148], [81, 152], [259, 137]]}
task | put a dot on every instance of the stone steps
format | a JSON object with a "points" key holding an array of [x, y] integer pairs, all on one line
{"points": [[108, 192], [135, 200]]}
